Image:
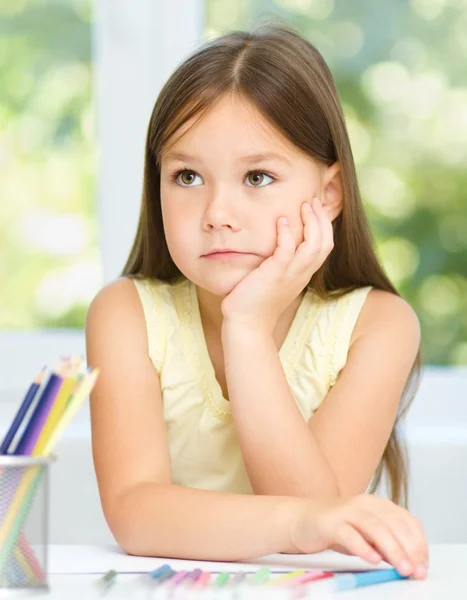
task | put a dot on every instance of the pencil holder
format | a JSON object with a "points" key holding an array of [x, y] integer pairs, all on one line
{"points": [[24, 509]]}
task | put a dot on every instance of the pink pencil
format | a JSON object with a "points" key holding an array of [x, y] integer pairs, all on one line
{"points": [[307, 577], [203, 580], [177, 578]]}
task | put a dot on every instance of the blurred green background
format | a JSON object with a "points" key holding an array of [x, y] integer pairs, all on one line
{"points": [[400, 71]]}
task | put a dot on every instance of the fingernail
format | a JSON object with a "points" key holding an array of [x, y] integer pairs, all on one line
{"points": [[284, 221], [374, 557], [404, 567], [420, 572], [308, 207]]}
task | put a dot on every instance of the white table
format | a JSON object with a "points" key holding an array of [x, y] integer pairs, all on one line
{"points": [[74, 570]]}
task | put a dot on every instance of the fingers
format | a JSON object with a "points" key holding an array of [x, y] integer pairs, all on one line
{"points": [[385, 541], [312, 233], [325, 224], [318, 235], [350, 540], [285, 249], [396, 534], [409, 534], [318, 238], [316, 246]]}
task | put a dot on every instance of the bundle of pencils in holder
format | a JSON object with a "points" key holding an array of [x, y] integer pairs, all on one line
{"points": [[50, 403]]}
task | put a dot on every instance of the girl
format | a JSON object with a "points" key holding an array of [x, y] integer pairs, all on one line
{"points": [[253, 355]]}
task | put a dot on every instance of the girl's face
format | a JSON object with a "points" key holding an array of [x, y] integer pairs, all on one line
{"points": [[224, 184]]}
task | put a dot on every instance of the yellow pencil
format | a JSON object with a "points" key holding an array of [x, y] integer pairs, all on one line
{"points": [[16, 514], [68, 388], [27, 570], [55, 415], [11, 523], [84, 389], [286, 576]]}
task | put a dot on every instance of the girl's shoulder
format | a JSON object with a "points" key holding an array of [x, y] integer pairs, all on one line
{"points": [[130, 298], [156, 299], [115, 313], [117, 294], [128, 292], [363, 318], [384, 310]]}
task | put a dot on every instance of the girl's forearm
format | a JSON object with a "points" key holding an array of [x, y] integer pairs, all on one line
{"points": [[168, 520], [280, 453]]}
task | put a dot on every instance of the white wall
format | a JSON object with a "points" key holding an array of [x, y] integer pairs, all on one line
{"points": [[436, 429], [137, 45]]}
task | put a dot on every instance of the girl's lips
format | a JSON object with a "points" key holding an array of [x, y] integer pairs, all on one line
{"points": [[225, 255]]}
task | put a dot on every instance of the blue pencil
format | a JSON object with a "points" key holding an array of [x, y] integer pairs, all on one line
{"points": [[162, 573], [23, 409], [347, 582], [48, 393]]}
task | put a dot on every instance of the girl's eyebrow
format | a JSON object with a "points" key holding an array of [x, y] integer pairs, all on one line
{"points": [[251, 158], [256, 158]]}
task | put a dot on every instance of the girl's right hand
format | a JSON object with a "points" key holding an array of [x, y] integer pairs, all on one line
{"points": [[367, 526]]}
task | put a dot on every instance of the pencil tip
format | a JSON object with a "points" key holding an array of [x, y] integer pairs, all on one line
{"points": [[40, 376]]}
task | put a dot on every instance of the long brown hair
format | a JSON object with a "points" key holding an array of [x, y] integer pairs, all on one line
{"points": [[287, 79]]}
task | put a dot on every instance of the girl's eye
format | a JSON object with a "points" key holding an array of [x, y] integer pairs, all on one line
{"points": [[256, 178], [186, 178]]}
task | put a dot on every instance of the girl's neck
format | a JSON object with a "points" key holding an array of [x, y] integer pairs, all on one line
{"points": [[211, 314]]}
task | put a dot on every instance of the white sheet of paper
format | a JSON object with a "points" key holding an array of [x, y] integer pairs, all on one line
{"points": [[95, 559]]}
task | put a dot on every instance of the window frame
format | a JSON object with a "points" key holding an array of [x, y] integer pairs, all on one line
{"points": [[128, 40]]}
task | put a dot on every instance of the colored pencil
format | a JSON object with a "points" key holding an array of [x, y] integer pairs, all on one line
{"points": [[157, 573], [44, 404], [238, 578], [17, 512], [28, 557], [85, 388], [16, 515], [286, 577], [221, 579], [18, 509], [192, 577], [261, 575], [203, 580], [66, 391], [33, 428], [354, 580], [23, 409], [309, 577], [177, 578]]}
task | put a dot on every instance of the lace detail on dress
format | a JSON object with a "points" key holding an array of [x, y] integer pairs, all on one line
{"points": [[332, 370], [344, 323], [290, 361], [182, 302], [157, 329]]}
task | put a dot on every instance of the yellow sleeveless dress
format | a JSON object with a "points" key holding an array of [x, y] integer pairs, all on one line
{"points": [[204, 450]]}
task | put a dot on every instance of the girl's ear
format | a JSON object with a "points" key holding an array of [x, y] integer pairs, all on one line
{"points": [[332, 191]]}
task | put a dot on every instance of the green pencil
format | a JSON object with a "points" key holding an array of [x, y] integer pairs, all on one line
{"points": [[221, 579], [261, 575]]}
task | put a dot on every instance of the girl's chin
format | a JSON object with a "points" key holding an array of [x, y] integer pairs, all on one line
{"points": [[221, 284]]}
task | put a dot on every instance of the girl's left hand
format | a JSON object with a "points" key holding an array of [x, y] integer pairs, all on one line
{"points": [[262, 296]]}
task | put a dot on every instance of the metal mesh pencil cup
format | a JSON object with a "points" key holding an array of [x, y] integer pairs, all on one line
{"points": [[24, 509]]}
